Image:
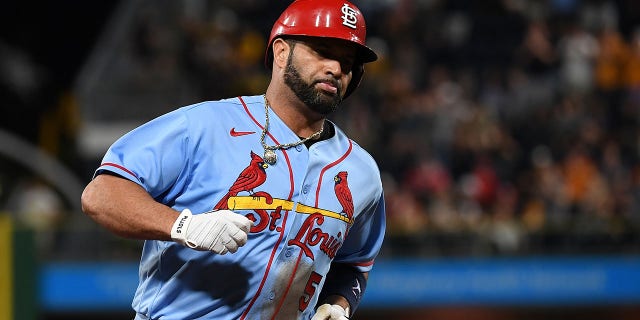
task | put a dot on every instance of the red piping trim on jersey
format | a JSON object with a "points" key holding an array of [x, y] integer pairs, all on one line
{"points": [[363, 264], [284, 221], [286, 291], [327, 168], [109, 164]]}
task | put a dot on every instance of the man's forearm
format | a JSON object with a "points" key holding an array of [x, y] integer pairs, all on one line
{"points": [[127, 209]]}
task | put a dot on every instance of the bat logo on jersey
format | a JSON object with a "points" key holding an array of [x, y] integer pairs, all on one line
{"points": [[267, 211], [264, 201], [308, 236], [343, 193], [311, 233], [250, 178]]}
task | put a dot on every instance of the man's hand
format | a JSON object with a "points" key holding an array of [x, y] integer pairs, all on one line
{"points": [[218, 231], [330, 312]]}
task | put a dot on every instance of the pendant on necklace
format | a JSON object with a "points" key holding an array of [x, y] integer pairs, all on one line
{"points": [[270, 156]]}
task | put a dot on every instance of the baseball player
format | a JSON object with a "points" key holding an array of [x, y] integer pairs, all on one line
{"points": [[254, 207]]}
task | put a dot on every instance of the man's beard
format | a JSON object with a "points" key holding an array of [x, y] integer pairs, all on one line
{"points": [[315, 99]]}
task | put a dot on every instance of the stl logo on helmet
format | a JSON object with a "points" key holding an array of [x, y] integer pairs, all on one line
{"points": [[349, 16]]}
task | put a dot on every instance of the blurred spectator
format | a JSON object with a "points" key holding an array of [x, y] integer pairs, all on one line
{"points": [[38, 207], [612, 59], [631, 70], [578, 49], [404, 211]]}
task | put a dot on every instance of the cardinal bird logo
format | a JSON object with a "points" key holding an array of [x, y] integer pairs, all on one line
{"points": [[343, 193], [250, 178]]}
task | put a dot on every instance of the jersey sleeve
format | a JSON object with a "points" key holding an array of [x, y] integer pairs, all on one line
{"points": [[364, 239], [152, 155]]}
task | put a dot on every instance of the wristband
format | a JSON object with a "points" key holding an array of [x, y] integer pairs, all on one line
{"points": [[346, 281]]}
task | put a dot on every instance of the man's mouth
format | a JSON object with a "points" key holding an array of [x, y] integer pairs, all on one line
{"points": [[328, 86]]}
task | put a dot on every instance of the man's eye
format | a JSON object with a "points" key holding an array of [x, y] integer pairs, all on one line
{"points": [[324, 52], [346, 66]]}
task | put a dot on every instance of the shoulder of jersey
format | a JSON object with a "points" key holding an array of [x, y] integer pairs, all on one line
{"points": [[204, 110], [359, 152]]}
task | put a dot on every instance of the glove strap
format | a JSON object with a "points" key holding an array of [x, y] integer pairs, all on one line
{"points": [[180, 227]]}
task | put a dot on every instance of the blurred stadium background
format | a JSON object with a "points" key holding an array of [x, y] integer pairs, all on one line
{"points": [[507, 131]]}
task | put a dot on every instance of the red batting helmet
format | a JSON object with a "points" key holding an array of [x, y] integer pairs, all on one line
{"points": [[338, 19]]}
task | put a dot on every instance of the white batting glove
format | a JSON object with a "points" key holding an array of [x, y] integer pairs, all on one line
{"points": [[330, 312], [218, 231]]}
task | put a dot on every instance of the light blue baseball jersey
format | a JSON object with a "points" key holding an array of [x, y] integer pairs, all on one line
{"points": [[312, 207]]}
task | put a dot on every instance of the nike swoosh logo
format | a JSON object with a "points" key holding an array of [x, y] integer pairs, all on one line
{"points": [[235, 133]]}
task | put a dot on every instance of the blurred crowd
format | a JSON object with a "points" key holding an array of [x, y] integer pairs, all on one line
{"points": [[513, 124], [500, 126]]}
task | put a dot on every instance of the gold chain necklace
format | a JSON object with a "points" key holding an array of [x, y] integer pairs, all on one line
{"points": [[270, 156]]}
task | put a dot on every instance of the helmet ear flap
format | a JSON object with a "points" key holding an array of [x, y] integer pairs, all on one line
{"points": [[356, 77]]}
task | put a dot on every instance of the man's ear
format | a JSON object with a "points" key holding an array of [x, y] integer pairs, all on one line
{"points": [[280, 52]]}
